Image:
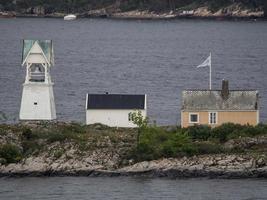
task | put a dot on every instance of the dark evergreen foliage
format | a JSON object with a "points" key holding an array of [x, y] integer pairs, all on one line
{"points": [[125, 5], [265, 9]]}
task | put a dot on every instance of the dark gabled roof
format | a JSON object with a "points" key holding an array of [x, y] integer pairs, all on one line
{"points": [[115, 101], [213, 100]]}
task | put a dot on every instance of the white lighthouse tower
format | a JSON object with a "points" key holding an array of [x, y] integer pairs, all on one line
{"points": [[37, 101]]}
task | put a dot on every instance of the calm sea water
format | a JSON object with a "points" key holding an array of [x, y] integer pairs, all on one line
{"points": [[69, 188], [158, 58]]}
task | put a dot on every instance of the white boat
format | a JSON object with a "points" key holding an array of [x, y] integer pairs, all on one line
{"points": [[70, 17]]}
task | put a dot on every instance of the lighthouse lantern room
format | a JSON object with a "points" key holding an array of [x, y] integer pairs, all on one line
{"points": [[37, 101]]}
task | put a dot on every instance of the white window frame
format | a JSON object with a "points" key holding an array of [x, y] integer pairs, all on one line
{"points": [[190, 118], [216, 118]]}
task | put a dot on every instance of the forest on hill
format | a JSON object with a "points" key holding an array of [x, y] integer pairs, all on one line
{"points": [[51, 6]]}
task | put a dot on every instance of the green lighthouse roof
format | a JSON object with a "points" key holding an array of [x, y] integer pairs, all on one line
{"points": [[46, 46]]}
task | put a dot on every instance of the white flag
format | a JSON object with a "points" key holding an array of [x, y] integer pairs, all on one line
{"points": [[206, 63]]}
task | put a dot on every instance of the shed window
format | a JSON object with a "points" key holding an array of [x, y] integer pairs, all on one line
{"points": [[213, 118], [193, 118]]}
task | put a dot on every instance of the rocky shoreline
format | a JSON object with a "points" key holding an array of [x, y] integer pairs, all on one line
{"points": [[209, 166], [69, 149]]}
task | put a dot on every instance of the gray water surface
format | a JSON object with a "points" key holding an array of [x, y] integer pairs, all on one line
{"points": [[158, 58], [124, 188]]}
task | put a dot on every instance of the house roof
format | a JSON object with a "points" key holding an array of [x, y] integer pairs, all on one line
{"points": [[115, 101], [46, 46], [214, 100]]}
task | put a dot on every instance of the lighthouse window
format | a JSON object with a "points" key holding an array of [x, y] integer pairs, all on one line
{"points": [[37, 73], [35, 103]]}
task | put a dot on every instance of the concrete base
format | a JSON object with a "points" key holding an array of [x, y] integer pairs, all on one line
{"points": [[37, 102]]}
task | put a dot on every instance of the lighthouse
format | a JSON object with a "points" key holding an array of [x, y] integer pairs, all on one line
{"points": [[37, 102]]}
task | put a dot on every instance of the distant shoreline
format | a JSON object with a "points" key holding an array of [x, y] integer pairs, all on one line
{"points": [[223, 18], [138, 16], [211, 18]]}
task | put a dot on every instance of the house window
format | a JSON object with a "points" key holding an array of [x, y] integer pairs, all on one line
{"points": [[35, 103], [193, 117], [213, 118]]}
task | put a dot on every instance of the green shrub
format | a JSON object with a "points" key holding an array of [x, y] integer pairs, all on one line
{"points": [[187, 150], [222, 132], [233, 131], [3, 161], [168, 149], [156, 142], [27, 134], [260, 129], [11, 153], [3, 129], [199, 132], [30, 147], [58, 153], [72, 128], [150, 139], [57, 137], [208, 148], [145, 151]]}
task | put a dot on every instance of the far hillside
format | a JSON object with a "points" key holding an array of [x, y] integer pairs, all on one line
{"points": [[114, 6]]}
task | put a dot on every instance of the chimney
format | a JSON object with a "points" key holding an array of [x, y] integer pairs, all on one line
{"points": [[225, 89]]}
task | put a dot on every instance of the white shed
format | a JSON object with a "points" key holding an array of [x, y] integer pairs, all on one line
{"points": [[114, 110]]}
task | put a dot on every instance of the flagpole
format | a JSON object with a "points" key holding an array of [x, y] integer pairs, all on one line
{"points": [[210, 70], [207, 63]]}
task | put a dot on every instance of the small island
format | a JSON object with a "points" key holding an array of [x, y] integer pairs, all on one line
{"points": [[71, 149]]}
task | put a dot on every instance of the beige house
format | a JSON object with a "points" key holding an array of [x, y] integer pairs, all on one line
{"points": [[215, 107]]}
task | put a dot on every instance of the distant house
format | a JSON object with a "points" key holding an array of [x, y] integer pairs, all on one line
{"points": [[114, 110], [215, 107]]}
